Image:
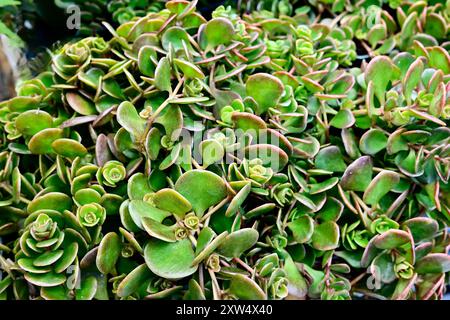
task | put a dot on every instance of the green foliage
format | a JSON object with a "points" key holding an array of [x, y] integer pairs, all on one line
{"points": [[259, 156]]}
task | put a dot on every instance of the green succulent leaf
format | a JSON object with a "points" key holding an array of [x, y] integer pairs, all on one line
{"points": [[170, 260], [131, 283], [326, 236], [265, 89], [202, 189], [358, 174], [381, 71], [302, 228], [108, 253], [237, 242], [391, 239], [129, 119], [383, 182], [245, 288], [433, 263]]}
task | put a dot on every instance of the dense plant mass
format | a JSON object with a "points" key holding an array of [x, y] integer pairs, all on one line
{"points": [[291, 152]]}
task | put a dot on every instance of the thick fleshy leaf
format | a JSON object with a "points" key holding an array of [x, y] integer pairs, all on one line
{"points": [[129, 119], [218, 31], [373, 141], [343, 119], [391, 239], [377, 33], [158, 230], [330, 159], [274, 137], [433, 263], [422, 228], [170, 260], [422, 250], [27, 264], [131, 283], [189, 70], [69, 148], [323, 186], [437, 104], [297, 286], [425, 116], [175, 37], [205, 236], [439, 58], [91, 78], [350, 143], [212, 151], [412, 78], [138, 186], [358, 174], [172, 121], [237, 242], [429, 284], [172, 158], [342, 85], [41, 142], [435, 26], [126, 219], [248, 122], [31, 122], [331, 210], [326, 236], [49, 279], [139, 209], [306, 148], [87, 290], [302, 228], [162, 75], [384, 182], [312, 202], [55, 293], [112, 87], [245, 288], [265, 89], [370, 252], [108, 253], [403, 288], [238, 200], [68, 257], [153, 143], [171, 201], [202, 189], [203, 250], [51, 201], [80, 104], [145, 60], [382, 268], [272, 156], [21, 104], [396, 142], [381, 71], [194, 291]]}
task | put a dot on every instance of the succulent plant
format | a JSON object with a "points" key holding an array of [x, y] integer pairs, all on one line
{"points": [[242, 157]]}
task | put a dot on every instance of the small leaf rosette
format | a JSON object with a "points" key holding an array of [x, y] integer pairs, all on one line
{"points": [[45, 252], [111, 173]]}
